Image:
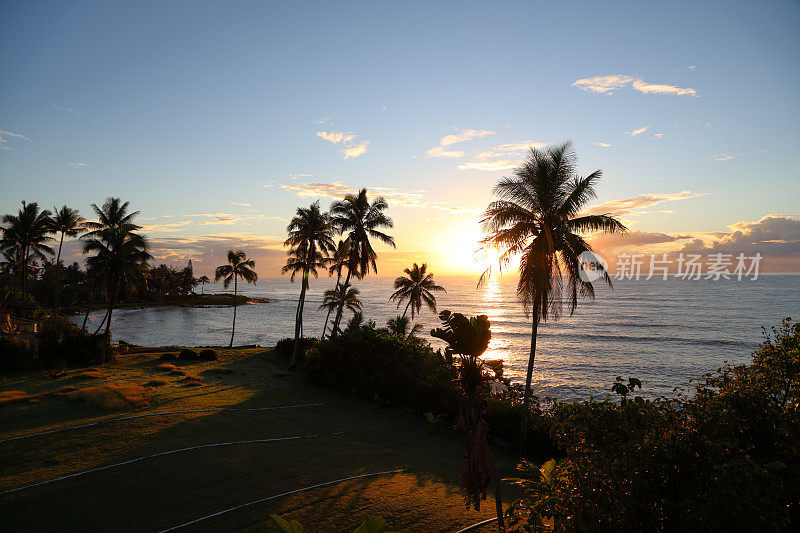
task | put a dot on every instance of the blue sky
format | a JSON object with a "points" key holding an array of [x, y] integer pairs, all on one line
{"points": [[187, 109]]}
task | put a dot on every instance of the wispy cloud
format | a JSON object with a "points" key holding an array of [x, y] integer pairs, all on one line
{"points": [[67, 109], [728, 157], [455, 138], [638, 205], [603, 145], [609, 84], [336, 191], [634, 133], [243, 204], [77, 165], [336, 137], [5, 136], [356, 150], [501, 157], [441, 151]]}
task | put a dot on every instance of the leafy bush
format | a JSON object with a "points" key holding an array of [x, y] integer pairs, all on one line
{"points": [[15, 355], [168, 357], [284, 346], [208, 355], [188, 355], [64, 344], [725, 459]]}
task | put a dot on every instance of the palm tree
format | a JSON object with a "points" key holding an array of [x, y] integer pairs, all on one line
{"points": [[538, 218], [469, 338], [202, 280], [238, 267], [416, 288], [331, 298], [310, 238], [400, 326], [360, 220], [65, 221], [338, 261], [25, 236]]}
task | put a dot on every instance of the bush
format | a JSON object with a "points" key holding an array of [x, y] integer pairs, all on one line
{"points": [[284, 347], [725, 459], [15, 356], [188, 355], [168, 357], [208, 355], [64, 344]]}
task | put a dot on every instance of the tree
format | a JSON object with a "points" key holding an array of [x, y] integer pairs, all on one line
{"points": [[202, 280], [238, 267], [310, 239], [416, 287], [360, 220], [331, 298], [25, 238], [538, 219], [400, 326], [120, 252], [338, 261], [469, 338], [68, 222]]}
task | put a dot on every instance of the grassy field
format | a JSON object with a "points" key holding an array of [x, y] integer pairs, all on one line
{"points": [[346, 436]]}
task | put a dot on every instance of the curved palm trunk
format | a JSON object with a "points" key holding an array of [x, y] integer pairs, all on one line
{"points": [[330, 309], [233, 329], [526, 399], [406, 309], [88, 309], [58, 273], [340, 310], [298, 322]]}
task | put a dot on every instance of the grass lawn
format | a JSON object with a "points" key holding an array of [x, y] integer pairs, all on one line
{"points": [[352, 437]]}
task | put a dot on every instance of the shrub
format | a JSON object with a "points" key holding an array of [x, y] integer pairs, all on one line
{"points": [[64, 344], [168, 357], [188, 355], [208, 355], [284, 347], [15, 355]]}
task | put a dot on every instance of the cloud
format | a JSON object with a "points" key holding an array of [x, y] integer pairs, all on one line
{"points": [[639, 204], [464, 135], [609, 84], [603, 145], [772, 235], [243, 204], [209, 250], [657, 135], [336, 137], [395, 197], [498, 157], [208, 219], [11, 134], [67, 109], [692, 67], [77, 165], [353, 151], [634, 133], [725, 157], [439, 151]]}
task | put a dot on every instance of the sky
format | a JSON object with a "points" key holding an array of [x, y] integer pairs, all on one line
{"points": [[216, 120]]}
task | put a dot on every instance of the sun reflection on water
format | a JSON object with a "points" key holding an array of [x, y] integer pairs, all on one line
{"points": [[492, 300]]}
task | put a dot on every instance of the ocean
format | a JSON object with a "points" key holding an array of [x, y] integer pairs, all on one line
{"points": [[664, 332]]}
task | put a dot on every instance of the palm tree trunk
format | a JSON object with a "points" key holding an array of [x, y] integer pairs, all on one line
{"points": [[341, 305], [526, 399], [112, 301], [233, 329], [58, 273], [498, 495], [298, 323], [102, 323], [406, 309], [88, 309], [325, 327]]}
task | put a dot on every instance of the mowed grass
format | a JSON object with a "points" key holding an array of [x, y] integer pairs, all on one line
{"points": [[346, 436]]}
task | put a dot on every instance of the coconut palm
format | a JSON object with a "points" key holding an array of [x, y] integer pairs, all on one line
{"points": [[400, 326], [238, 267], [67, 222], [330, 300], [360, 220], [338, 261], [469, 338], [311, 241], [538, 219], [417, 287], [25, 237], [202, 280]]}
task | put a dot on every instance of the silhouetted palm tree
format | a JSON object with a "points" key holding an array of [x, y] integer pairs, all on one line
{"points": [[202, 280], [238, 267], [338, 261], [25, 236], [416, 288], [310, 236], [67, 222], [537, 218], [360, 220], [469, 338], [400, 326], [331, 298]]}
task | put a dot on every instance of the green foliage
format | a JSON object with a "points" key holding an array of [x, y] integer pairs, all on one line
{"points": [[63, 344], [284, 346], [727, 458], [15, 355]]}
